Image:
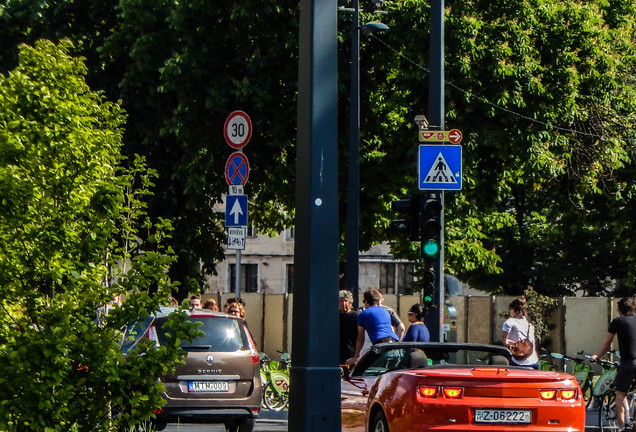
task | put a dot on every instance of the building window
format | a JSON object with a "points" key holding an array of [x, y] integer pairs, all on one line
{"points": [[290, 278], [387, 277], [251, 232], [290, 233], [249, 278]]}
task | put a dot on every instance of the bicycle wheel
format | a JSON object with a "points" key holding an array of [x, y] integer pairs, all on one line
{"points": [[273, 400], [630, 414], [586, 388], [607, 413]]}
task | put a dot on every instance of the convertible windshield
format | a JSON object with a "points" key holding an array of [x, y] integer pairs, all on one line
{"points": [[410, 356]]}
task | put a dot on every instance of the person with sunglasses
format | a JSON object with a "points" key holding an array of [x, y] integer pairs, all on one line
{"points": [[229, 301], [236, 309], [417, 332]]}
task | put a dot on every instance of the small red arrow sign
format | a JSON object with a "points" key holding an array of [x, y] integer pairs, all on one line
{"points": [[453, 136]]}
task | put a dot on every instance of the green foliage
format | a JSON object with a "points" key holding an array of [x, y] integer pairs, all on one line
{"points": [[543, 91], [544, 94], [540, 309], [70, 234]]}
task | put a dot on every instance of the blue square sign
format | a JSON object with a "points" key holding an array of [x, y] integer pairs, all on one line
{"points": [[235, 210], [439, 167]]}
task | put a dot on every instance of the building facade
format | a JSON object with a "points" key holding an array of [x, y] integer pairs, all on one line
{"points": [[267, 267]]}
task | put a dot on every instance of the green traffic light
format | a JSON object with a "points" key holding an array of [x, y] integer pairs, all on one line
{"points": [[430, 248], [428, 299]]}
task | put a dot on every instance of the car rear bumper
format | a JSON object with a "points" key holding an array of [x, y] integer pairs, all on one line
{"points": [[205, 415]]}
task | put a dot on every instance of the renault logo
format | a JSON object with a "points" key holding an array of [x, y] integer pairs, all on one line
{"points": [[209, 359]]}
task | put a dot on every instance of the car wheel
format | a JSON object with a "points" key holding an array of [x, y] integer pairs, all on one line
{"points": [[246, 424], [379, 423]]}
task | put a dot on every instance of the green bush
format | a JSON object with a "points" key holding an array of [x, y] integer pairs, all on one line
{"points": [[69, 246]]}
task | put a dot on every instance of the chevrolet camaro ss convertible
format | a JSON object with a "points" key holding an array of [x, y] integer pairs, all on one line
{"points": [[449, 387]]}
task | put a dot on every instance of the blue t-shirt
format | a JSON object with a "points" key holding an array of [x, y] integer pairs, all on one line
{"points": [[417, 333], [377, 323]]}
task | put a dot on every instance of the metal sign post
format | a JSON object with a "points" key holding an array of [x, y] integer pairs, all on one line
{"points": [[237, 132]]}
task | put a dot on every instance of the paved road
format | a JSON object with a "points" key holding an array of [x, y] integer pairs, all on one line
{"points": [[268, 421], [277, 422]]}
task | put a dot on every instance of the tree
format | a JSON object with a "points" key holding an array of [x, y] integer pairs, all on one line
{"points": [[72, 219], [543, 91], [544, 94]]}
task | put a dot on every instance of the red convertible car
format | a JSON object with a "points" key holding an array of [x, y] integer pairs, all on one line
{"points": [[411, 387]]}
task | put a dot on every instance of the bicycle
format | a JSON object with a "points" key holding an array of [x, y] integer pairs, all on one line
{"points": [[275, 381], [543, 363], [605, 391], [582, 371]]}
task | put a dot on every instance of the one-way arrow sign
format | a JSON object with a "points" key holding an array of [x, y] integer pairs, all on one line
{"points": [[235, 210]]}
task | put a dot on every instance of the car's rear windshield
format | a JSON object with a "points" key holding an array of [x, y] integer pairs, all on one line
{"points": [[221, 334]]}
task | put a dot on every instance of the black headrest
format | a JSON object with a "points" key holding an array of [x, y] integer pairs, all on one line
{"points": [[417, 359]]}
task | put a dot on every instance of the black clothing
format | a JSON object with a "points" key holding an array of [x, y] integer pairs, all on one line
{"points": [[348, 335], [625, 328]]}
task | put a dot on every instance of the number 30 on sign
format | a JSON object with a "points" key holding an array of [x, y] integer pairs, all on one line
{"points": [[237, 129]]}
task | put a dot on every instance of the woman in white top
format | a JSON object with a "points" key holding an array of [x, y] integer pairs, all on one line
{"points": [[517, 328]]}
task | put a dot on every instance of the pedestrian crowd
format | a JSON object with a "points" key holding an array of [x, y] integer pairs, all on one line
{"points": [[375, 323]]}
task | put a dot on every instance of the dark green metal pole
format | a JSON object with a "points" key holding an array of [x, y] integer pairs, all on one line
{"points": [[436, 114], [352, 237], [315, 392]]}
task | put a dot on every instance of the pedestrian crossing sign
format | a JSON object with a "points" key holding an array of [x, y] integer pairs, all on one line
{"points": [[440, 167]]}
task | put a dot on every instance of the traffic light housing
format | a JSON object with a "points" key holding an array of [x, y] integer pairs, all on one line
{"points": [[431, 226], [410, 223], [431, 246]]}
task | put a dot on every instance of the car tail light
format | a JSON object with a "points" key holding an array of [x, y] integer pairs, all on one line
{"points": [[428, 391], [256, 359], [547, 394], [568, 395], [159, 410], [453, 392], [152, 335]]}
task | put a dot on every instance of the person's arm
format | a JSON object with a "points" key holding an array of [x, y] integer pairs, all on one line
{"points": [[604, 346], [359, 344], [504, 338], [400, 330]]}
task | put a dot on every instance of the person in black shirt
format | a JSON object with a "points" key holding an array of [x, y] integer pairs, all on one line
{"points": [[348, 326], [624, 327]]}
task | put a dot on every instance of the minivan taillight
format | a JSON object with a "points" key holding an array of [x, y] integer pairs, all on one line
{"points": [[152, 335]]}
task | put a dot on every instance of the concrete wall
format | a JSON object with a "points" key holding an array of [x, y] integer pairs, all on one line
{"points": [[580, 324]]}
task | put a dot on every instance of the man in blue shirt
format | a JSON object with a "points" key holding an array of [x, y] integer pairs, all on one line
{"points": [[375, 321]]}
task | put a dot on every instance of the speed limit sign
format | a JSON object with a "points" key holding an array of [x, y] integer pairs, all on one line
{"points": [[237, 129]]}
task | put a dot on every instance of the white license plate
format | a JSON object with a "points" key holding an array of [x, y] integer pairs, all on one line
{"points": [[502, 416], [208, 386]]}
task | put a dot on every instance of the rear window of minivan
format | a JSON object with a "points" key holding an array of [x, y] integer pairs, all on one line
{"points": [[221, 335]]}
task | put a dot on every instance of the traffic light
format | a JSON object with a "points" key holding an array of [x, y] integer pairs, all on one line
{"points": [[410, 224], [431, 238], [431, 226]]}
